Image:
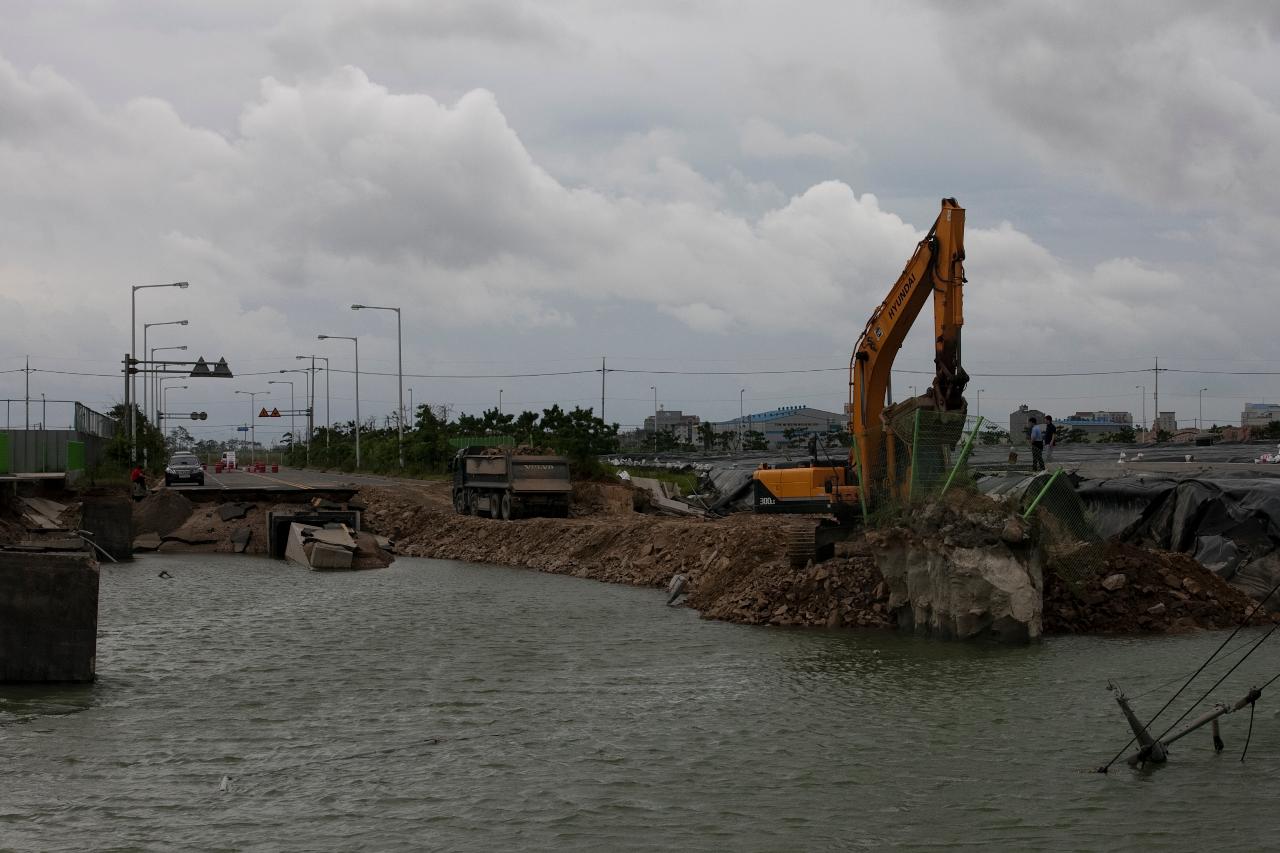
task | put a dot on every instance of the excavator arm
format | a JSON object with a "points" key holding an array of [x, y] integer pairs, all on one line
{"points": [[936, 268]]}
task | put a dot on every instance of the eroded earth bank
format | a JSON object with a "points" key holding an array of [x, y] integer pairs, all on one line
{"points": [[962, 567]]}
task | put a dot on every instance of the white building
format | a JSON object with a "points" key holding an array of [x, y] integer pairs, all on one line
{"points": [[799, 420], [1259, 414]]}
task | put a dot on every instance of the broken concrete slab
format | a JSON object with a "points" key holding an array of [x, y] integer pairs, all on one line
{"points": [[189, 539], [146, 542], [329, 557], [234, 511], [240, 539]]}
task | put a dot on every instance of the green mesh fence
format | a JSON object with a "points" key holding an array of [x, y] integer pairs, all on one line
{"points": [[923, 453], [1073, 548]]}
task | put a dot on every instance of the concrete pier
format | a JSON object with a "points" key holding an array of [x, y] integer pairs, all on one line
{"points": [[48, 616]]}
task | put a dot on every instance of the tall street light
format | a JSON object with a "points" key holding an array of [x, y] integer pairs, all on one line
{"points": [[253, 422], [164, 396], [399, 375], [355, 341], [654, 388], [293, 427], [499, 401], [309, 381], [1200, 419], [978, 403], [413, 413], [131, 385], [149, 387], [328, 420], [741, 418], [155, 378], [1143, 389]]}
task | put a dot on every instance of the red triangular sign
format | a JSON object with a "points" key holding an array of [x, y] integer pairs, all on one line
{"points": [[275, 413], [263, 413]]}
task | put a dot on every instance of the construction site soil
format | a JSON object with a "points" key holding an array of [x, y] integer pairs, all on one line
{"points": [[737, 570]]}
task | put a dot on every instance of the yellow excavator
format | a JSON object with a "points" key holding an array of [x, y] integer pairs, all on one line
{"points": [[879, 464]]}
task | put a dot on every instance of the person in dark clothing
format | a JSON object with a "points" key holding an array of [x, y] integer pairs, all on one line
{"points": [[1050, 438], [1037, 446]]}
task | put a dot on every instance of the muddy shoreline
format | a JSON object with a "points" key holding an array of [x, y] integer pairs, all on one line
{"points": [[737, 570]]}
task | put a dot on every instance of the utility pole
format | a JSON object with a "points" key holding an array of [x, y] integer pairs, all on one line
{"points": [[655, 418], [603, 371], [27, 371], [1157, 398], [741, 420]]}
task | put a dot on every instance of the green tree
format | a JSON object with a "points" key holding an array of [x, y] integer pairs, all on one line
{"points": [[707, 433], [152, 452], [1076, 435], [993, 434], [755, 440]]}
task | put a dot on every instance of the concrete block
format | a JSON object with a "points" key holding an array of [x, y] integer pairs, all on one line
{"points": [[48, 617], [329, 557], [110, 519]]}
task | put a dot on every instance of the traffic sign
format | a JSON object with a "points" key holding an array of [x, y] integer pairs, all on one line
{"points": [[263, 413], [275, 413], [242, 429]]}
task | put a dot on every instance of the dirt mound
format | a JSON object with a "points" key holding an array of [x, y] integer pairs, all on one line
{"points": [[162, 512], [608, 499], [1144, 591], [846, 591]]}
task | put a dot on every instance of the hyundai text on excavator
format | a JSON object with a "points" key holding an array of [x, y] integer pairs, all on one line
{"points": [[878, 468]]}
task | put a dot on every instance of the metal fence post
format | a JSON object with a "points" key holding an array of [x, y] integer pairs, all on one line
{"points": [[862, 482], [1035, 503], [964, 455], [915, 444]]}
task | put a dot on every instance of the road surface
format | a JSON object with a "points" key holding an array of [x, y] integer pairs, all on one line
{"points": [[288, 478]]}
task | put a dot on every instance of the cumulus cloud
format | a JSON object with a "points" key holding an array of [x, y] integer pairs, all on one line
{"points": [[766, 141], [1165, 107]]}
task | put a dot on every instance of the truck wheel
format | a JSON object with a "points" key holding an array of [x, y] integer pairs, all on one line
{"points": [[506, 506], [469, 502], [495, 506], [459, 502]]}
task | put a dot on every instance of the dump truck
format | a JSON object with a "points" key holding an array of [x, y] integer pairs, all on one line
{"points": [[507, 483]]}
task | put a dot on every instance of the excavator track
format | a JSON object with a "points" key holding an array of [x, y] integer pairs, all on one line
{"points": [[800, 544]]}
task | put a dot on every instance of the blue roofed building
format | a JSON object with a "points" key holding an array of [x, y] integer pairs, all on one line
{"points": [[800, 420]]}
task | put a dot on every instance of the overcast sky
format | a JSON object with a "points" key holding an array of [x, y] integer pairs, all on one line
{"points": [[677, 185]]}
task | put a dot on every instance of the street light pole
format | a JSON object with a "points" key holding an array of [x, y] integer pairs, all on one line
{"points": [[355, 341], [293, 427], [1200, 419], [149, 387], [655, 419], [156, 378], [978, 403], [1143, 388], [499, 401], [132, 384], [253, 423], [399, 375], [413, 412], [164, 397], [741, 419]]}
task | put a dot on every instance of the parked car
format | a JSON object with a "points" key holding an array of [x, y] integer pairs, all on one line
{"points": [[183, 468]]}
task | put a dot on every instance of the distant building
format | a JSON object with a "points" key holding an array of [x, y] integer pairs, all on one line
{"points": [[684, 428], [1166, 422], [1020, 424], [1259, 414], [1096, 423], [774, 424]]}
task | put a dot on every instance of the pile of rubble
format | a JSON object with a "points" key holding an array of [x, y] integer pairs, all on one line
{"points": [[844, 592], [1138, 590]]}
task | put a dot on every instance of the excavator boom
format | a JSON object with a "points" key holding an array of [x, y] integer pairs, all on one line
{"points": [[936, 268]]}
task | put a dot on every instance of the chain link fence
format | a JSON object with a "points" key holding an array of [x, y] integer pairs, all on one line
{"points": [[1074, 549]]}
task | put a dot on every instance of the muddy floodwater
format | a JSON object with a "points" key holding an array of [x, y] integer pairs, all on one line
{"points": [[444, 706]]}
